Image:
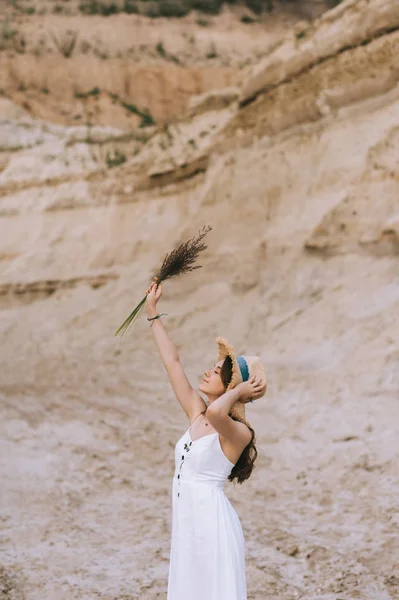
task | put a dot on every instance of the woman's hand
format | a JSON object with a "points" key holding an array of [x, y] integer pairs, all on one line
{"points": [[249, 389], [153, 295]]}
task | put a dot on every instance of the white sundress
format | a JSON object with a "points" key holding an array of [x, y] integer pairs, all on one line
{"points": [[207, 553]]}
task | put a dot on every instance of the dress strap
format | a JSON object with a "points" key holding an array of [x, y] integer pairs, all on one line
{"points": [[195, 420]]}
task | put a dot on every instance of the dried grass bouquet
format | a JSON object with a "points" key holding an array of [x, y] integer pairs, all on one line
{"points": [[179, 261]]}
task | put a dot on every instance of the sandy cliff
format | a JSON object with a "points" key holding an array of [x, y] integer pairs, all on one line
{"points": [[296, 169], [73, 69]]}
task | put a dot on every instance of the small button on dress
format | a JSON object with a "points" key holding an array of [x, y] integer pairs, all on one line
{"points": [[207, 552]]}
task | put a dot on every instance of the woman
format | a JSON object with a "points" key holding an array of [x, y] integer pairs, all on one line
{"points": [[207, 555]]}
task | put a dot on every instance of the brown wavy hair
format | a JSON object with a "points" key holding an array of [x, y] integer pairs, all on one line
{"points": [[244, 466]]}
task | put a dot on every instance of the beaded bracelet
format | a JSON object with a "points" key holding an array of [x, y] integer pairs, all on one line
{"points": [[157, 317]]}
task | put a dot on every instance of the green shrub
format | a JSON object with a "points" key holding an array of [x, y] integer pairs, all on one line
{"points": [[93, 92], [89, 8], [6, 30], [202, 22], [146, 120], [248, 19], [301, 34], [29, 10], [117, 159], [255, 5], [66, 42], [93, 7], [132, 108], [210, 7], [109, 9], [212, 52], [161, 49], [173, 8], [130, 7]]}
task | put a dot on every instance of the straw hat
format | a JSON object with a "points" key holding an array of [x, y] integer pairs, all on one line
{"points": [[243, 368]]}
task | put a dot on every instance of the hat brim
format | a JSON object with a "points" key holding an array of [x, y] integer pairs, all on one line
{"points": [[255, 367], [226, 349]]}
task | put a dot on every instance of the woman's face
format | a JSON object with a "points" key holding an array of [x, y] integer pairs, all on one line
{"points": [[212, 384]]}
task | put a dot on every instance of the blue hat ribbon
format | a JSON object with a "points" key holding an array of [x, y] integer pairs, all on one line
{"points": [[242, 363]]}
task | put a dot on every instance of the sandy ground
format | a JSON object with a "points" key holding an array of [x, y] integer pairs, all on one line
{"points": [[86, 503]]}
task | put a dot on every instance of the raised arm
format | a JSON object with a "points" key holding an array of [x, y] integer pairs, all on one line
{"points": [[189, 399]]}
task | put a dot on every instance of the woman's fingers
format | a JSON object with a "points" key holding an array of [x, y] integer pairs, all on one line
{"points": [[153, 286], [257, 383]]}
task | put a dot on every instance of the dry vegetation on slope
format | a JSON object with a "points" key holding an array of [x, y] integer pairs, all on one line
{"points": [[125, 70]]}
